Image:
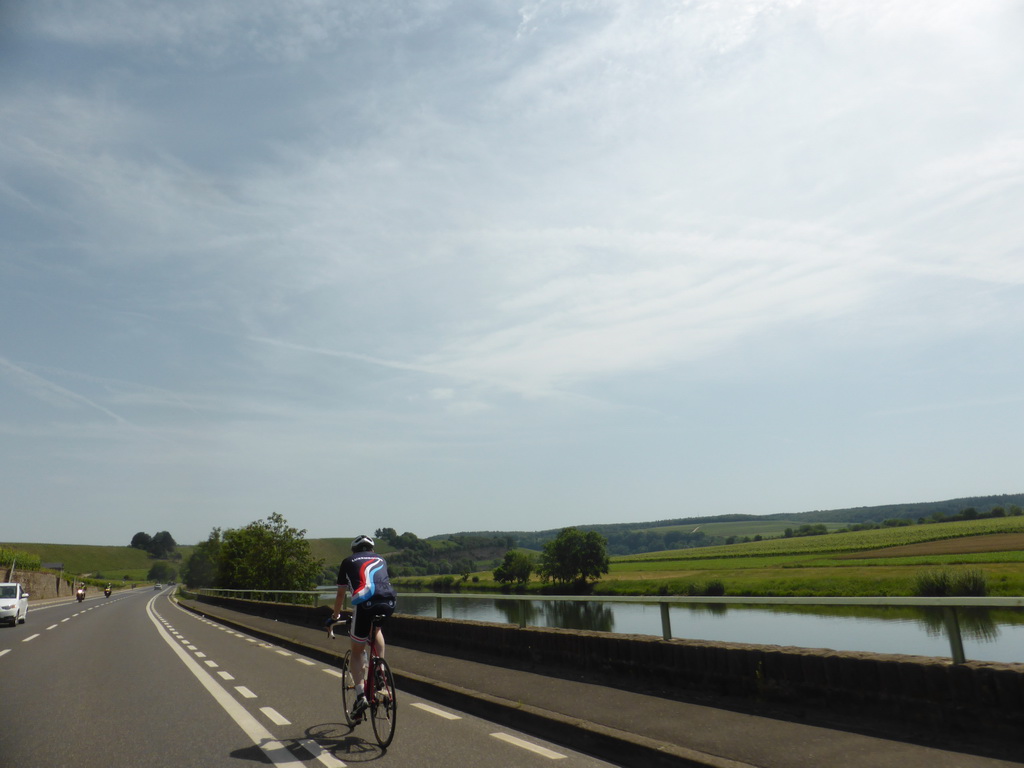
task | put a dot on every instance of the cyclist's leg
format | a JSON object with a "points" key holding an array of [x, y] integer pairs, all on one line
{"points": [[359, 635], [385, 610]]}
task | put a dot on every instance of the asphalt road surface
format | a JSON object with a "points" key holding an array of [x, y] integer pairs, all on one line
{"points": [[134, 680]]}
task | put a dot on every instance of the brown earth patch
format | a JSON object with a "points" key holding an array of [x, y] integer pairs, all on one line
{"points": [[963, 545]]}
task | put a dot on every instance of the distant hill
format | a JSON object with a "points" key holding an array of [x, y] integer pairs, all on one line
{"points": [[686, 532], [103, 562]]}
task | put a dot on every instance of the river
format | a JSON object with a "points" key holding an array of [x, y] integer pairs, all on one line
{"points": [[988, 634]]}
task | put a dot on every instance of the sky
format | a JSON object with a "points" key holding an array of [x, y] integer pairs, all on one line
{"points": [[460, 265]]}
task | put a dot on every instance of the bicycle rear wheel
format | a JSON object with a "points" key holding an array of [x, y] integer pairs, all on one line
{"points": [[348, 689], [383, 706]]}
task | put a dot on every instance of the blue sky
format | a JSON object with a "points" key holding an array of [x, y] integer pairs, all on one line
{"points": [[446, 266]]}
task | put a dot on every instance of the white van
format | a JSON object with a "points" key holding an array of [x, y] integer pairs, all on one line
{"points": [[13, 603]]}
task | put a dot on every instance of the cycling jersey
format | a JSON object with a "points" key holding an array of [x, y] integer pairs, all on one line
{"points": [[366, 574]]}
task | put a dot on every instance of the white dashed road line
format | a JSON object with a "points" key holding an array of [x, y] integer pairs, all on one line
{"points": [[274, 716], [245, 692], [30, 637], [543, 752], [436, 711], [325, 758], [275, 750], [5, 650]]}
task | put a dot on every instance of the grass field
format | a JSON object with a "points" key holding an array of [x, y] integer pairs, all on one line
{"points": [[112, 562], [853, 541], [878, 562], [881, 562]]}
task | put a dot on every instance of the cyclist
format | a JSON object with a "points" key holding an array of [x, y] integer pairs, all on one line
{"points": [[365, 574]]}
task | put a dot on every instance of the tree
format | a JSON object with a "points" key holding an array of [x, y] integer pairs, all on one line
{"points": [[202, 568], [161, 545], [162, 572], [141, 540], [390, 535], [516, 568], [574, 556], [267, 554]]}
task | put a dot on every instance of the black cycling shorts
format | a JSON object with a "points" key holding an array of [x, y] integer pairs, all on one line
{"points": [[362, 617]]}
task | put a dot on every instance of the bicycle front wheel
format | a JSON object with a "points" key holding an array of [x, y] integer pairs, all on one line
{"points": [[383, 706], [348, 689]]}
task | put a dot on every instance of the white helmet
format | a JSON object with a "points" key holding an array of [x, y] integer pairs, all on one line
{"points": [[362, 543]]}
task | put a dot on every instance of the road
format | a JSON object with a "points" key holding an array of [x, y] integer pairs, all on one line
{"points": [[135, 680]]}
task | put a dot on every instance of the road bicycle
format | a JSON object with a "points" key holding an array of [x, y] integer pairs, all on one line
{"points": [[379, 688]]}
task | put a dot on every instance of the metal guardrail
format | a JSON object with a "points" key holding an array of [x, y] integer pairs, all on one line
{"points": [[949, 605]]}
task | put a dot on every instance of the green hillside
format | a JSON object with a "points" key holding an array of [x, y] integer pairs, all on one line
{"points": [[333, 551], [853, 541], [112, 562], [715, 530]]}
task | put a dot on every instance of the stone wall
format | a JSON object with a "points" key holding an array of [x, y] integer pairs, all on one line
{"points": [[40, 585], [896, 690]]}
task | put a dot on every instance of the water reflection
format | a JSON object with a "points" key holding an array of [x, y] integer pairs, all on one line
{"points": [[566, 615], [975, 624], [990, 634]]}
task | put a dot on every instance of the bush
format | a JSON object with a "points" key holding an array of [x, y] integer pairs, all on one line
{"points": [[942, 583], [714, 588], [22, 560], [970, 583], [932, 584]]}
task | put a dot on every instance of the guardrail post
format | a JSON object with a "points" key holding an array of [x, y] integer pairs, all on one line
{"points": [[956, 643], [437, 605], [666, 622], [522, 614]]}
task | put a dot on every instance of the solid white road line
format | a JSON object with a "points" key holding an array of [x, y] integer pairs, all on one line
{"points": [[527, 745], [325, 757], [276, 751], [436, 711]]}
